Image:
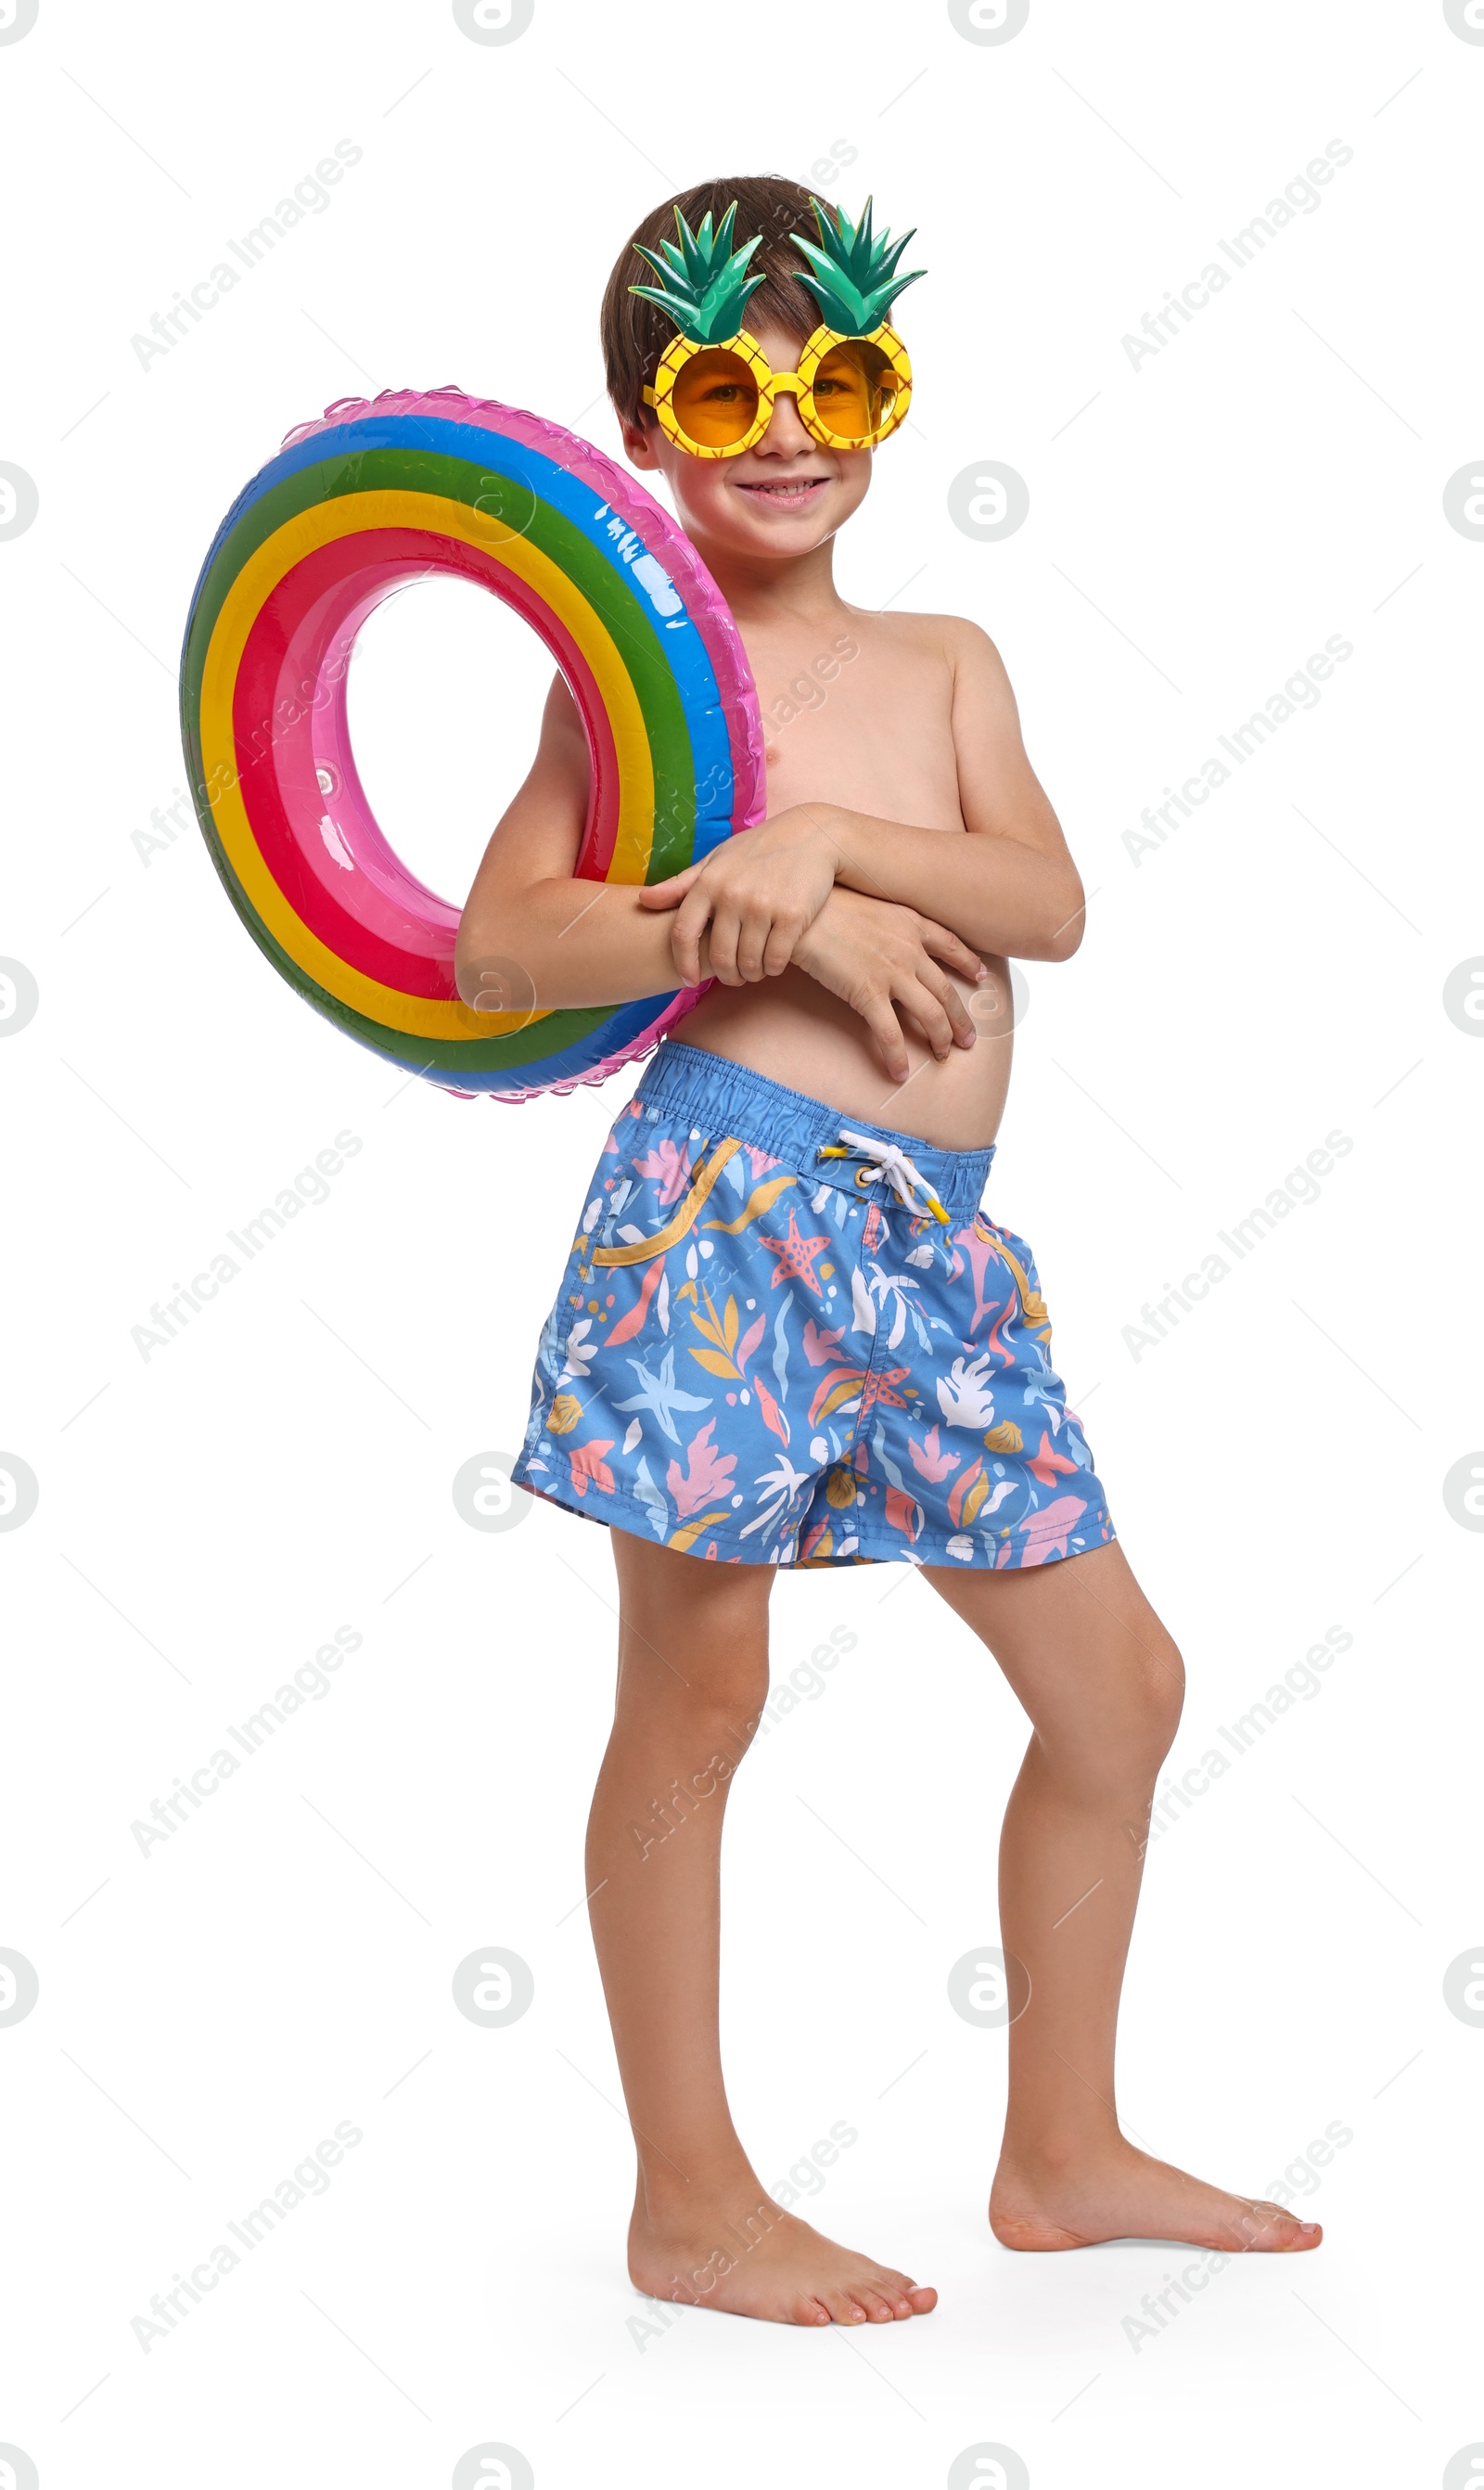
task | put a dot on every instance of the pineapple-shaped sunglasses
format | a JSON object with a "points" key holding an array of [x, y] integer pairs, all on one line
{"points": [[715, 388]]}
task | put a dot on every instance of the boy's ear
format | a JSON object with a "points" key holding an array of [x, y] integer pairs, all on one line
{"points": [[638, 444]]}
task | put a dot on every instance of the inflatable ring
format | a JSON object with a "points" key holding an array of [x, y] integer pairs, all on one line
{"points": [[410, 487]]}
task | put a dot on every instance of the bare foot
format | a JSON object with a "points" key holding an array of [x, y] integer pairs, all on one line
{"points": [[751, 2259], [1125, 2194]]}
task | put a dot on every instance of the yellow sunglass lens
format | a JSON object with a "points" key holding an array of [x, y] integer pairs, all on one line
{"points": [[855, 389], [715, 398]]}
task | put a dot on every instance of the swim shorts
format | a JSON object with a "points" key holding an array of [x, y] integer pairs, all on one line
{"points": [[786, 1338]]}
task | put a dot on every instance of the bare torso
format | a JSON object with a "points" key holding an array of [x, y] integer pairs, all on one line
{"points": [[861, 717]]}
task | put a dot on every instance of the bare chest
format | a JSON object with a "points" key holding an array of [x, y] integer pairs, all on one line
{"points": [[853, 718]]}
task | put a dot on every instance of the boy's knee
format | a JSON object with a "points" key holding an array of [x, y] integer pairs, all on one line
{"points": [[1122, 1748], [709, 1661], [1157, 1699], [732, 1685]]}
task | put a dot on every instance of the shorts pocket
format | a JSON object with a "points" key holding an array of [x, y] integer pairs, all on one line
{"points": [[683, 1219], [1032, 1304]]}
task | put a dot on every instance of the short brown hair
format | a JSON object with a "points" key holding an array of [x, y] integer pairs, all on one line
{"points": [[635, 333]]}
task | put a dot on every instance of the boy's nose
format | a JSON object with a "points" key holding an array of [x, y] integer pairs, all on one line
{"points": [[785, 435]]}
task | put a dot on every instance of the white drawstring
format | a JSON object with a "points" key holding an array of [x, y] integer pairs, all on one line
{"points": [[888, 1161]]}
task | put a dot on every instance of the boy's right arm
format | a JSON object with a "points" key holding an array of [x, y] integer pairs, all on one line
{"points": [[573, 943]]}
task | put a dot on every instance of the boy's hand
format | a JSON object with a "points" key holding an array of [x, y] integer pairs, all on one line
{"points": [[758, 892], [884, 960]]}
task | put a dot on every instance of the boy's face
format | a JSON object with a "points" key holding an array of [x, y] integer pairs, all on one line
{"points": [[774, 502]]}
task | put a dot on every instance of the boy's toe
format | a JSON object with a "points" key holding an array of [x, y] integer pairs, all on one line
{"points": [[1282, 2230], [844, 2307]]}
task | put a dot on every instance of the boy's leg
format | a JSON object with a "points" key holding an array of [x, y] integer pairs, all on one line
{"points": [[1103, 1683], [693, 1677]]}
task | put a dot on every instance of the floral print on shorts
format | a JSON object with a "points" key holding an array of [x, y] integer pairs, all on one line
{"points": [[786, 1338]]}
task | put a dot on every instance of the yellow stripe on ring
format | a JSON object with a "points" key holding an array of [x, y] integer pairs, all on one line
{"points": [[414, 1015]]}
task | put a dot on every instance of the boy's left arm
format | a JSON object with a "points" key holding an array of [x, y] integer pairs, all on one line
{"points": [[1009, 887]]}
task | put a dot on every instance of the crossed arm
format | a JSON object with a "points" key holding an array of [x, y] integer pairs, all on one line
{"points": [[883, 915], [1009, 887]]}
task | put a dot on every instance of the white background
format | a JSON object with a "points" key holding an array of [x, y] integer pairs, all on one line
{"points": [[208, 1516]]}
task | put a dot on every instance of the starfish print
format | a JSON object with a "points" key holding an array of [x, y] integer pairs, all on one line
{"points": [[846, 1386], [796, 1256], [880, 1387], [661, 1394]]}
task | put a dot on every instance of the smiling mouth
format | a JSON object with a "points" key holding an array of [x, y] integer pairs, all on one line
{"points": [[796, 491]]}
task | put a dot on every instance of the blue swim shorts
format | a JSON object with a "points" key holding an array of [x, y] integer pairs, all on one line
{"points": [[784, 1338]]}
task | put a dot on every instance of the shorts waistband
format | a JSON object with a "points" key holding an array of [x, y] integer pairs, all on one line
{"points": [[721, 1098]]}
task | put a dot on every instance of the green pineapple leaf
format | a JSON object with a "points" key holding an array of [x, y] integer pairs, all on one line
{"points": [[704, 285], [855, 280]]}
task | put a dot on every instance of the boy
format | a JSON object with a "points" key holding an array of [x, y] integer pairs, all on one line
{"points": [[786, 1333]]}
